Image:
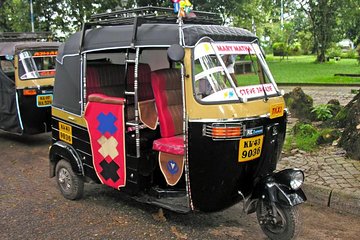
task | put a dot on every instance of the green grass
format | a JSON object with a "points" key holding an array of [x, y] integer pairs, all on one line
{"points": [[303, 69]]}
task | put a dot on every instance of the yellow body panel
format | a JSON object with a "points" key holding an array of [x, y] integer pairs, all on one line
{"points": [[79, 120]]}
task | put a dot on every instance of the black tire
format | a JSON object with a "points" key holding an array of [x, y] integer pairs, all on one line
{"points": [[70, 184], [287, 225]]}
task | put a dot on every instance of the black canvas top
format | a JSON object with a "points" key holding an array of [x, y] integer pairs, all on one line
{"points": [[110, 37], [68, 77], [12, 48]]}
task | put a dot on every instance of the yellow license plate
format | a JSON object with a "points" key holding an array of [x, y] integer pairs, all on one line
{"points": [[65, 132], [44, 100], [276, 110], [250, 148]]}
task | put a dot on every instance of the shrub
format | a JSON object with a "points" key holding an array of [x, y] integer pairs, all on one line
{"points": [[280, 49], [334, 51], [323, 112], [305, 136], [295, 49], [349, 54], [358, 51]]}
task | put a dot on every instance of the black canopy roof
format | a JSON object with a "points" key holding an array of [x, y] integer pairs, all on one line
{"points": [[110, 37]]}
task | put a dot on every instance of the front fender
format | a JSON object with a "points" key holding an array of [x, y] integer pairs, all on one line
{"points": [[272, 188], [60, 150]]}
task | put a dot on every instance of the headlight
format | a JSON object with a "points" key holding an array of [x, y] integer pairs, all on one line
{"points": [[293, 178], [297, 179]]}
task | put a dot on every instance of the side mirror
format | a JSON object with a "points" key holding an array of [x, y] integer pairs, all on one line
{"points": [[176, 53], [9, 57]]}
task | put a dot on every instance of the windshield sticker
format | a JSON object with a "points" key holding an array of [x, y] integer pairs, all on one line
{"points": [[247, 92], [223, 48], [229, 48]]}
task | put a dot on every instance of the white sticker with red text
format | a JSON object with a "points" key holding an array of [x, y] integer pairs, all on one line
{"points": [[247, 92]]}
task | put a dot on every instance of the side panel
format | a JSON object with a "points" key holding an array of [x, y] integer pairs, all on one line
{"points": [[9, 119], [76, 136]]}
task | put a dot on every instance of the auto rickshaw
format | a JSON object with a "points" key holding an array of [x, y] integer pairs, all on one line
{"points": [[144, 103], [27, 70]]}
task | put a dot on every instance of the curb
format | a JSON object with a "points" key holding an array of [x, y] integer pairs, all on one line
{"points": [[334, 198]]}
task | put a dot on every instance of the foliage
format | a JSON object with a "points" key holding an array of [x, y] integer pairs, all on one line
{"points": [[295, 49], [334, 51], [280, 49], [322, 15], [304, 136], [306, 41], [322, 111], [316, 21], [358, 52], [16, 16]]}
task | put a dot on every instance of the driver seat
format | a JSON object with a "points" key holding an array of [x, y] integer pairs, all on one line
{"points": [[166, 85]]}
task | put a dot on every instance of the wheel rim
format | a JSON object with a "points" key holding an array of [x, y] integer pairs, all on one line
{"points": [[275, 223], [64, 179], [278, 224]]}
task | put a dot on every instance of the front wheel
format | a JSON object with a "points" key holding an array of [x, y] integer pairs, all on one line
{"points": [[278, 221], [70, 184]]}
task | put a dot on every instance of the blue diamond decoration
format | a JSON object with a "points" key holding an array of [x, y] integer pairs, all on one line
{"points": [[107, 123]]}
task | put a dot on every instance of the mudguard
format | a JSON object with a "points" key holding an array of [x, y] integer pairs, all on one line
{"points": [[271, 188], [62, 150]]}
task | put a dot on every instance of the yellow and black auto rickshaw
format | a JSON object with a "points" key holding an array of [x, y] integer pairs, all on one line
{"points": [[27, 70], [145, 103]]}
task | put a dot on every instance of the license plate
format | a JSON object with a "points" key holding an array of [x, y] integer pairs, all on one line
{"points": [[44, 100], [276, 110], [65, 132], [250, 148]]}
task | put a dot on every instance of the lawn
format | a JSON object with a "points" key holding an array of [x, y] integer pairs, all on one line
{"points": [[302, 69]]}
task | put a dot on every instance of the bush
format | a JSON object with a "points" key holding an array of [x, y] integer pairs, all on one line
{"points": [[295, 49], [334, 51], [358, 51], [323, 112], [349, 54], [280, 49], [305, 136]]}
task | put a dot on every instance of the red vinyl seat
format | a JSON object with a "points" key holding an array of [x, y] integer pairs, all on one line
{"points": [[166, 85]]}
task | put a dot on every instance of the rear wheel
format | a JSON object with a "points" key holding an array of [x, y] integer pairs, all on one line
{"points": [[70, 184], [278, 221]]}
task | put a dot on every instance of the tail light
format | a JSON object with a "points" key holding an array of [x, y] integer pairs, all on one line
{"points": [[29, 92]]}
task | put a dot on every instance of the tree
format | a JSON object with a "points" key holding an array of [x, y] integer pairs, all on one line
{"points": [[323, 15], [350, 20], [15, 16]]}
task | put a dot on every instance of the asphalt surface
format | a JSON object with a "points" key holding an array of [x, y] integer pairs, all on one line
{"points": [[32, 207]]}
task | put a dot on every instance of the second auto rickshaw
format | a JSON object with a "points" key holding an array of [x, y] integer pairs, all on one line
{"points": [[27, 70], [148, 106]]}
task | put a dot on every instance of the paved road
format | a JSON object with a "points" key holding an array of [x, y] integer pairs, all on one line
{"points": [[322, 95], [31, 207]]}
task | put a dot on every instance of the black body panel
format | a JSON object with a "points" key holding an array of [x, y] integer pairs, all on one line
{"points": [[216, 176], [35, 119]]}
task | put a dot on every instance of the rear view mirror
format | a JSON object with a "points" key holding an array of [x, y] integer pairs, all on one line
{"points": [[176, 53], [9, 57]]}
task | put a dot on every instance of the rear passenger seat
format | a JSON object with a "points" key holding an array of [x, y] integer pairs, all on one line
{"points": [[108, 79]]}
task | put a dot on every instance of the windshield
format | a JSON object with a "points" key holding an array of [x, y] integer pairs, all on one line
{"points": [[37, 64], [230, 72]]}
